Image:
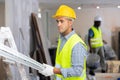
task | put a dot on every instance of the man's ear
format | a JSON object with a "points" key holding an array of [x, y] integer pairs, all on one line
{"points": [[71, 23]]}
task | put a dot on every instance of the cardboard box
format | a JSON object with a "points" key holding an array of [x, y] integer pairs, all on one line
{"points": [[113, 66]]}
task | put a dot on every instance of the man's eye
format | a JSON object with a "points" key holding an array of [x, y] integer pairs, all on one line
{"points": [[61, 21], [57, 21]]}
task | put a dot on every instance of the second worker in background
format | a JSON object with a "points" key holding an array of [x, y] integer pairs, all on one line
{"points": [[95, 42]]}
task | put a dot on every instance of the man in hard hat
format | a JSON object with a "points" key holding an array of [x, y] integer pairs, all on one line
{"points": [[96, 43], [71, 52]]}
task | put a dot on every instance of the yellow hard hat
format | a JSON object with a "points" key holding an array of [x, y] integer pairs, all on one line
{"points": [[66, 11]]}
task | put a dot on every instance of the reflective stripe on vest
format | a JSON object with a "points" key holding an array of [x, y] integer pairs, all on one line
{"points": [[64, 57], [96, 41]]}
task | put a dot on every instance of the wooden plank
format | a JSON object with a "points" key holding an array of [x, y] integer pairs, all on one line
{"points": [[41, 51]]}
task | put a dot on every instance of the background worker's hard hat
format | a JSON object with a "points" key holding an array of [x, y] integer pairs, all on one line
{"points": [[65, 11], [97, 18]]}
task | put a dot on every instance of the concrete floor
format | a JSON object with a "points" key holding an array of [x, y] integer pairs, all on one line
{"points": [[107, 76]]}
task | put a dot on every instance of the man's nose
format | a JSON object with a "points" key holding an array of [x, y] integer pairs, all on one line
{"points": [[58, 24]]}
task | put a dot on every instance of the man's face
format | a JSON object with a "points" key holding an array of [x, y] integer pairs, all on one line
{"points": [[64, 25], [97, 23]]}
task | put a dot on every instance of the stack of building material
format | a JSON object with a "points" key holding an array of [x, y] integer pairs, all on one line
{"points": [[40, 52], [113, 66], [9, 69]]}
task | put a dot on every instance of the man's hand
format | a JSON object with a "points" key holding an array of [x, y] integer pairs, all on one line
{"points": [[90, 51], [48, 71]]}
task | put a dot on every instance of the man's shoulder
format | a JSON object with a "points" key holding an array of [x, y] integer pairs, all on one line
{"points": [[90, 30]]}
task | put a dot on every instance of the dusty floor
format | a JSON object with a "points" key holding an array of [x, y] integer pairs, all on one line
{"points": [[107, 76]]}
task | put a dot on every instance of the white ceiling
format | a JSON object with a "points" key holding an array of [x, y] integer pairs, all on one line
{"points": [[53, 4]]}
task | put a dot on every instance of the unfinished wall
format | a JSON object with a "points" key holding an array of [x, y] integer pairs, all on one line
{"points": [[50, 26], [17, 17], [18, 14], [84, 21], [2, 14], [110, 21]]}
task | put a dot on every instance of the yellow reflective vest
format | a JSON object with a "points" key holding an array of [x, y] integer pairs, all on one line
{"points": [[96, 41], [63, 58]]}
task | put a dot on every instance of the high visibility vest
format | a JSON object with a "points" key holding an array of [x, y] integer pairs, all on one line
{"points": [[63, 57], [96, 41]]}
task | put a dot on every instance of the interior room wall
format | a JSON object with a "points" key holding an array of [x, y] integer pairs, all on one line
{"points": [[50, 26], [17, 17], [110, 18], [84, 21], [2, 14]]}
